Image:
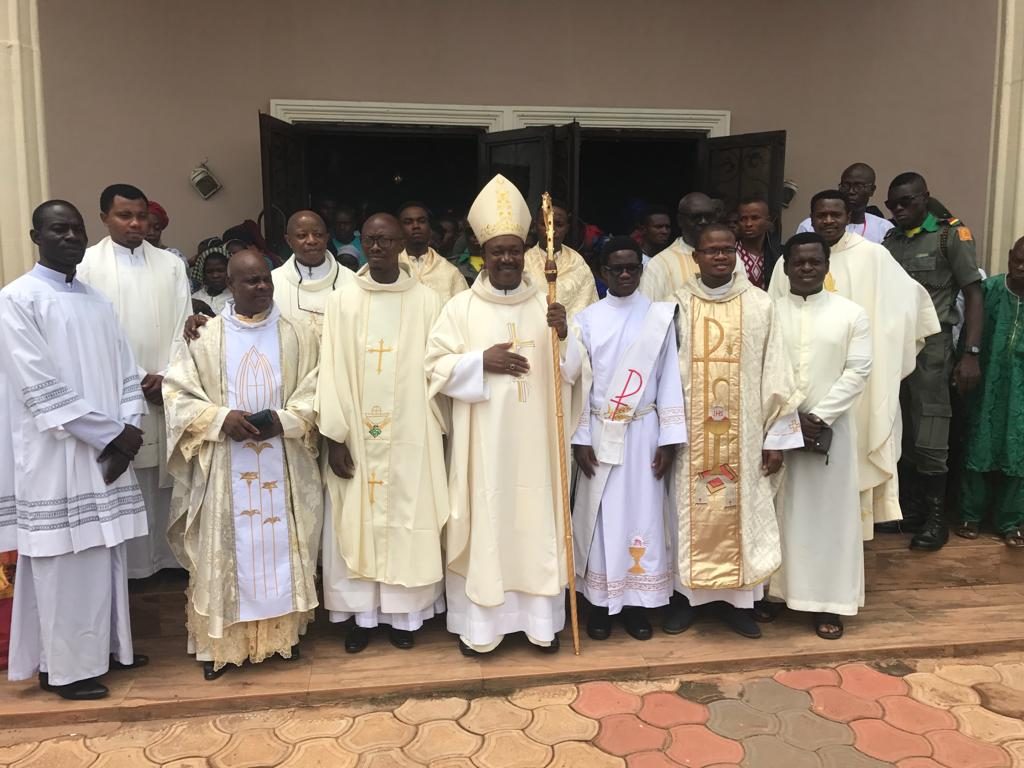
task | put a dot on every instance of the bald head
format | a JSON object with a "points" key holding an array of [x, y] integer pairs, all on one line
{"points": [[696, 211], [246, 260], [306, 235], [250, 282], [386, 221], [382, 243], [857, 185]]}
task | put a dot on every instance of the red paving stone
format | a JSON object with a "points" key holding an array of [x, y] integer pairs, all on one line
{"points": [[805, 679], [954, 750], [697, 747], [599, 700], [841, 706], [918, 762], [883, 742], [914, 717], [668, 709], [861, 680], [650, 760], [626, 734]]}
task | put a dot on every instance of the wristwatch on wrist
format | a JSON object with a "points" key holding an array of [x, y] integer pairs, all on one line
{"points": [[972, 350]]}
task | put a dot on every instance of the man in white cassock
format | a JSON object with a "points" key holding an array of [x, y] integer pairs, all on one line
{"points": [[741, 402], [576, 289], [624, 445], [387, 493], [70, 422], [829, 343], [247, 494], [902, 316], [425, 264], [150, 291], [490, 351]]}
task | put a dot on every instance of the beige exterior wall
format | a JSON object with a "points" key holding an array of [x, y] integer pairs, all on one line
{"points": [[143, 93]]}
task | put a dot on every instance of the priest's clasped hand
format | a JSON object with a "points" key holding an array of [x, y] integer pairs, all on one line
{"points": [[192, 326], [556, 319], [499, 359], [238, 428], [811, 426], [771, 462], [151, 384], [128, 442], [340, 460]]}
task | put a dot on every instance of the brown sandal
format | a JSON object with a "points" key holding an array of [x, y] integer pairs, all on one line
{"points": [[967, 530], [822, 620], [1014, 538]]}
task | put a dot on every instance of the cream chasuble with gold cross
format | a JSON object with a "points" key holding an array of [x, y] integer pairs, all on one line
{"points": [[243, 514], [382, 542], [741, 396]]}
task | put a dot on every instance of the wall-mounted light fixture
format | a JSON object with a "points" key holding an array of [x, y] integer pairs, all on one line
{"points": [[204, 182], [789, 190]]}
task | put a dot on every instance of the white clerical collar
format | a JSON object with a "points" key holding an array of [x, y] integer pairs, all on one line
{"points": [[621, 301], [319, 272], [59, 279], [121, 250], [811, 299], [720, 290], [511, 292], [239, 322]]}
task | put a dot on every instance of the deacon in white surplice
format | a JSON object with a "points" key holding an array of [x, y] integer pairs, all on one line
{"points": [[150, 292], [624, 445], [70, 421], [829, 345], [741, 402], [490, 351], [247, 495], [387, 494]]}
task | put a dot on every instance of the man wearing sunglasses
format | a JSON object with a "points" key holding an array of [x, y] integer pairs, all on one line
{"points": [[940, 254]]}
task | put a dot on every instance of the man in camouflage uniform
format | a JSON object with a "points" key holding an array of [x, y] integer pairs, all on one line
{"points": [[939, 253]]}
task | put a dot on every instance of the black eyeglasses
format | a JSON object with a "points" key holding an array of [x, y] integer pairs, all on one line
{"points": [[383, 242], [630, 269], [727, 251], [854, 186], [901, 202]]}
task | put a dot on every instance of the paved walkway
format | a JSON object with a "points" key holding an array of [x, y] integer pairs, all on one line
{"points": [[924, 714]]}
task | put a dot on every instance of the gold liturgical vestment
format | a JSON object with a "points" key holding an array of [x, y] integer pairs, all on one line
{"points": [[738, 385], [575, 289], [436, 272], [372, 396]]}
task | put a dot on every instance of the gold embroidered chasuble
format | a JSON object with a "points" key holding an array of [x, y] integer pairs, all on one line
{"points": [[435, 271], [738, 383], [575, 289], [372, 396], [203, 520], [505, 531]]}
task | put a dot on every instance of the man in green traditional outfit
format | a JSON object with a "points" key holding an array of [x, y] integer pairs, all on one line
{"points": [[994, 466]]}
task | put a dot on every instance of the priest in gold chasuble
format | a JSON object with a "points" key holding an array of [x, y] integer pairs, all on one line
{"points": [[741, 401], [247, 496], [576, 289], [490, 351], [387, 493]]}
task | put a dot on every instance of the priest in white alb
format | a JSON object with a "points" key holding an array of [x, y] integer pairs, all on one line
{"points": [[576, 289], [150, 291], [829, 343], [741, 401], [624, 445], [902, 315], [387, 493], [425, 264], [69, 423], [490, 351], [247, 495]]}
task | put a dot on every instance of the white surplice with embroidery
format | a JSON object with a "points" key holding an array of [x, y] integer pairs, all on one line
{"points": [[505, 540], [829, 343], [623, 557]]}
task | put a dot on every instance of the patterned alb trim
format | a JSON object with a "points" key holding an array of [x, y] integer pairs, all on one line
{"points": [[131, 390], [658, 582], [8, 513], [77, 511], [53, 395], [670, 417]]}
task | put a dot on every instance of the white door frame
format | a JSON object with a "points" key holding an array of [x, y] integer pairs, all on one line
{"points": [[714, 122]]}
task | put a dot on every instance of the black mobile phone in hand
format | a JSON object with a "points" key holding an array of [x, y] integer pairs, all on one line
{"points": [[262, 420]]}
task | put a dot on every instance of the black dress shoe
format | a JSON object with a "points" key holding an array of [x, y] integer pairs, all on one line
{"points": [[209, 673], [80, 690], [553, 648], [137, 661], [402, 638], [679, 617], [465, 650], [295, 654], [357, 639], [599, 623], [741, 621], [636, 623]]}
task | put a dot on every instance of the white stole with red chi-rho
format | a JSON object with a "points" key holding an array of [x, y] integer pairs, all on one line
{"points": [[258, 481], [608, 428]]}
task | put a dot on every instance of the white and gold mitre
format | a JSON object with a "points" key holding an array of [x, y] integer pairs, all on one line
{"points": [[498, 210]]}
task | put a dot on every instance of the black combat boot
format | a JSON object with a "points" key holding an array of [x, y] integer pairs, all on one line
{"points": [[935, 532]]}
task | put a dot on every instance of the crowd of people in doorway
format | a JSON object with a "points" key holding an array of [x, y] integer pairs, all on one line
{"points": [[368, 424]]}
